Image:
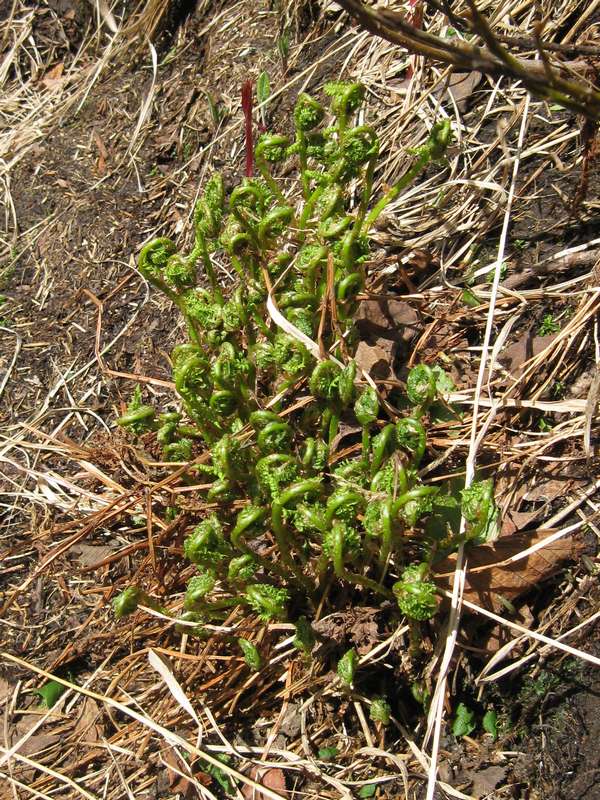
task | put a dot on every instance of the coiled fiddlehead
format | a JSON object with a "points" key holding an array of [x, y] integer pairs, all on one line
{"points": [[300, 511]]}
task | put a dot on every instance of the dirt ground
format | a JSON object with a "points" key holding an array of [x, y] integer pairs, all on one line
{"points": [[105, 140]]}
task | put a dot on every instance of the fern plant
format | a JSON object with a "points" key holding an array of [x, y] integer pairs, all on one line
{"points": [[300, 250]]}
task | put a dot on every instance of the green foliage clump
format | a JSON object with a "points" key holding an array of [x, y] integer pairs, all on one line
{"points": [[464, 721], [380, 711], [301, 518], [416, 596]]}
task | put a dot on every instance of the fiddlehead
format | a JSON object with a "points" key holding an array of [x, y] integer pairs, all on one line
{"points": [[267, 601], [366, 410], [412, 437], [416, 596], [206, 545], [308, 113], [421, 386], [153, 260], [479, 510], [197, 589], [138, 417], [271, 149], [248, 520], [346, 98]]}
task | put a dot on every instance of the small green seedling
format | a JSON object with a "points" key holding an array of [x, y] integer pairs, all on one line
{"points": [[347, 665], [368, 790], [380, 711], [328, 753], [263, 92], [490, 723], [251, 654], [51, 692], [548, 325], [464, 721]]}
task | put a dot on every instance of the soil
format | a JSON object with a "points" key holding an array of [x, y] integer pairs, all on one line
{"points": [[83, 329]]}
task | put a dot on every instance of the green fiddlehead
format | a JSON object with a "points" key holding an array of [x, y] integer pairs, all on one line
{"points": [[308, 505]]}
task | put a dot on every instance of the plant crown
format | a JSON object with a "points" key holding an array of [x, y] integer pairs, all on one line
{"points": [[288, 515]]}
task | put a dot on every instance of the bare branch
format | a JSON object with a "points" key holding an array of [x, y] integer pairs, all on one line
{"points": [[494, 60]]}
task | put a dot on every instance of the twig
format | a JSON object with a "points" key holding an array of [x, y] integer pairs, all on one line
{"points": [[493, 60]]}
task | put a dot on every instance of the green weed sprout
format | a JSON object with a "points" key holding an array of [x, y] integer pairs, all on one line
{"points": [[251, 654], [302, 519], [380, 711], [126, 603], [347, 666]]}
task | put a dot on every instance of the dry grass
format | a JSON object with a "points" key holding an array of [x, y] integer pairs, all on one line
{"points": [[94, 507]]}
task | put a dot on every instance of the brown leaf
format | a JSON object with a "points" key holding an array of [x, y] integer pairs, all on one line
{"points": [[86, 726], [485, 781], [461, 87], [273, 779], [384, 316], [36, 743], [102, 152], [89, 554], [513, 521], [490, 579], [53, 76], [376, 359], [178, 783], [515, 356]]}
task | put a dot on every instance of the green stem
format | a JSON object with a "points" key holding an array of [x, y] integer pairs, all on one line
{"points": [[413, 494], [200, 247], [387, 531], [303, 158], [367, 583], [308, 211], [366, 443], [270, 180], [381, 447], [284, 542], [393, 193], [340, 570], [365, 199], [334, 424]]}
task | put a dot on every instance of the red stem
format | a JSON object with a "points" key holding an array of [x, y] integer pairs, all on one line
{"points": [[247, 109], [414, 18]]}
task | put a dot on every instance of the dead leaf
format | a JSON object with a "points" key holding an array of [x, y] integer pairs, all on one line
{"points": [[490, 580], [36, 743], [486, 781], [291, 723], [461, 86], [273, 779], [53, 76], [384, 316], [178, 783], [515, 357], [357, 625], [102, 152], [343, 431], [90, 554], [5, 691], [376, 359], [513, 521], [86, 725], [542, 492]]}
